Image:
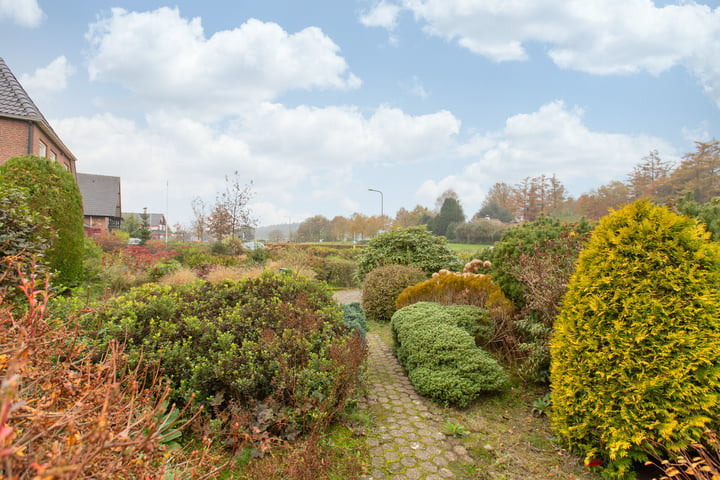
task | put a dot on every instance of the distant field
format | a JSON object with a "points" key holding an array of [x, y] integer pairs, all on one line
{"points": [[466, 247]]}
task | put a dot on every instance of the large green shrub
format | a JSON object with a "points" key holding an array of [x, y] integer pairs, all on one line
{"points": [[271, 339], [339, 272], [441, 357], [382, 287], [414, 246], [636, 349], [53, 192], [523, 239], [24, 235]]}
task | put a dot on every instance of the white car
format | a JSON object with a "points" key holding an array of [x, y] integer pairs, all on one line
{"points": [[253, 245]]}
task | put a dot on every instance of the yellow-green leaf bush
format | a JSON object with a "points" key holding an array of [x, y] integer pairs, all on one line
{"points": [[635, 357], [441, 357]]}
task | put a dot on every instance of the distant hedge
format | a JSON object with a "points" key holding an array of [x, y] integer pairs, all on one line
{"points": [[52, 192]]}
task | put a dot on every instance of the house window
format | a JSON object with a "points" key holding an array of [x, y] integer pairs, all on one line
{"points": [[52, 155], [42, 149]]}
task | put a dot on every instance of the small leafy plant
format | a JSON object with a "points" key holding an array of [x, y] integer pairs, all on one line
{"points": [[456, 430]]}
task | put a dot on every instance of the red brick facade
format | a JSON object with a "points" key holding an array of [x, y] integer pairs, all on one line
{"points": [[15, 136]]}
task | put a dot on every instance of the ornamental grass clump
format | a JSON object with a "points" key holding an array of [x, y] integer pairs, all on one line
{"points": [[635, 357]]}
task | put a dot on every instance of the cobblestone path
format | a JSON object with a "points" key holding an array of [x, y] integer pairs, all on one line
{"points": [[407, 442]]}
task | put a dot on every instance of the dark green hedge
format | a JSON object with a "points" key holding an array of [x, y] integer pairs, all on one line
{"points": [[52, 192]]}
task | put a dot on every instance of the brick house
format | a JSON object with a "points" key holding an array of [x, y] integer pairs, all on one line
{"points": [[23, 129], [102, 205], [157, 224]]}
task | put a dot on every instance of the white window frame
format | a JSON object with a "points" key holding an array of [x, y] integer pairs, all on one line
{"points": [[42, 149]]}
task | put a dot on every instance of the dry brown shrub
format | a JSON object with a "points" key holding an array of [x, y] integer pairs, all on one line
{"points": [[65, 416], [179, 277], [220, 274]]}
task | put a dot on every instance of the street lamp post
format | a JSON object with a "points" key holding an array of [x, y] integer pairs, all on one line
{"points": [[382, 216]]}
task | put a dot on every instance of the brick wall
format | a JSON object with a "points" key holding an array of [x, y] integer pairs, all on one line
{"points": [[13, 138], [14, 143]]}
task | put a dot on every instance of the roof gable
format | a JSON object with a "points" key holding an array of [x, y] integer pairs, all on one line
{"points": [[16, 103], [101, 195], [14, 100]]}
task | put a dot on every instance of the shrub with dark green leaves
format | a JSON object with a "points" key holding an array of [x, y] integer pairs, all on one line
{"points": [[414, 246], [382, 287], [24, 234], [354, 317], [52, 192], [271, 339], [524, 239], [635, 357], [441, 357], [337, 271]]}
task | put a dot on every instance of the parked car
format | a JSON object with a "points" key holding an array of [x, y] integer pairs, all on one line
{"points": [[134, 241], [253, 245]]}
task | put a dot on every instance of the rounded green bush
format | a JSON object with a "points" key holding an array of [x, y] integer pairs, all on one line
{"points": [[354, 317], [382, 287], [24, 234], [414, 246], [53, 192], [635, 357], [273, 339], [441, 357], [523, 239]]}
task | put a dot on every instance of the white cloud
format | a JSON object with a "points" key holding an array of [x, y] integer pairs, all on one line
{"points": [[294, 156], [382, 14], [594, 36], [167, 60], [552, 140], [26, 13], [50, 79]]}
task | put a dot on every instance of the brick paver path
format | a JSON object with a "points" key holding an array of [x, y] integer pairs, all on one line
{"points": [[407, 442]]}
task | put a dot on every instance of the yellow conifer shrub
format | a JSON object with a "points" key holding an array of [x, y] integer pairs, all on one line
{"points": [[635, 357]]}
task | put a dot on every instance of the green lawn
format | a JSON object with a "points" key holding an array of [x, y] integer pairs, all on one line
{"points": [[466, 247]]}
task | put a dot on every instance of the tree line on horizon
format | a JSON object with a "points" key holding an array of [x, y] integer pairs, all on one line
{"points": [[695, 179]]}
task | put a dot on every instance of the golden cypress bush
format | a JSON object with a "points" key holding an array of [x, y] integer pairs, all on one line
{"points": [[636, 350]]}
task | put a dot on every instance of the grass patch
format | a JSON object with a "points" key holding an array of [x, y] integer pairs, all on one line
{"points": [[466, 247]]}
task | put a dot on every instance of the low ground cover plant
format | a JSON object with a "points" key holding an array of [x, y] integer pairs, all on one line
{"points": [[443, 362], [635, 366], [272, 349]]}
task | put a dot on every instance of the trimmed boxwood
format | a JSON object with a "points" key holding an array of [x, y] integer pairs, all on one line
{"points": [[382, 287], [635, 357], [441, 357]]}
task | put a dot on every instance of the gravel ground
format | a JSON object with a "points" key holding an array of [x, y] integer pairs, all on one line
{"points": [[347, 296]]}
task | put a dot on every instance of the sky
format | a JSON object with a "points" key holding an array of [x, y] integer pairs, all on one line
{"points": [[313, 102]]}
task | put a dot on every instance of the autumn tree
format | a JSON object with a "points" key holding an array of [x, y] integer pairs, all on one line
{"points": [[698, 172], [200, 222], [501, 194], [449, 193], [405, 218], [648, 176], [314, 229], [340, 228], [598, 202], [232, 205]]}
